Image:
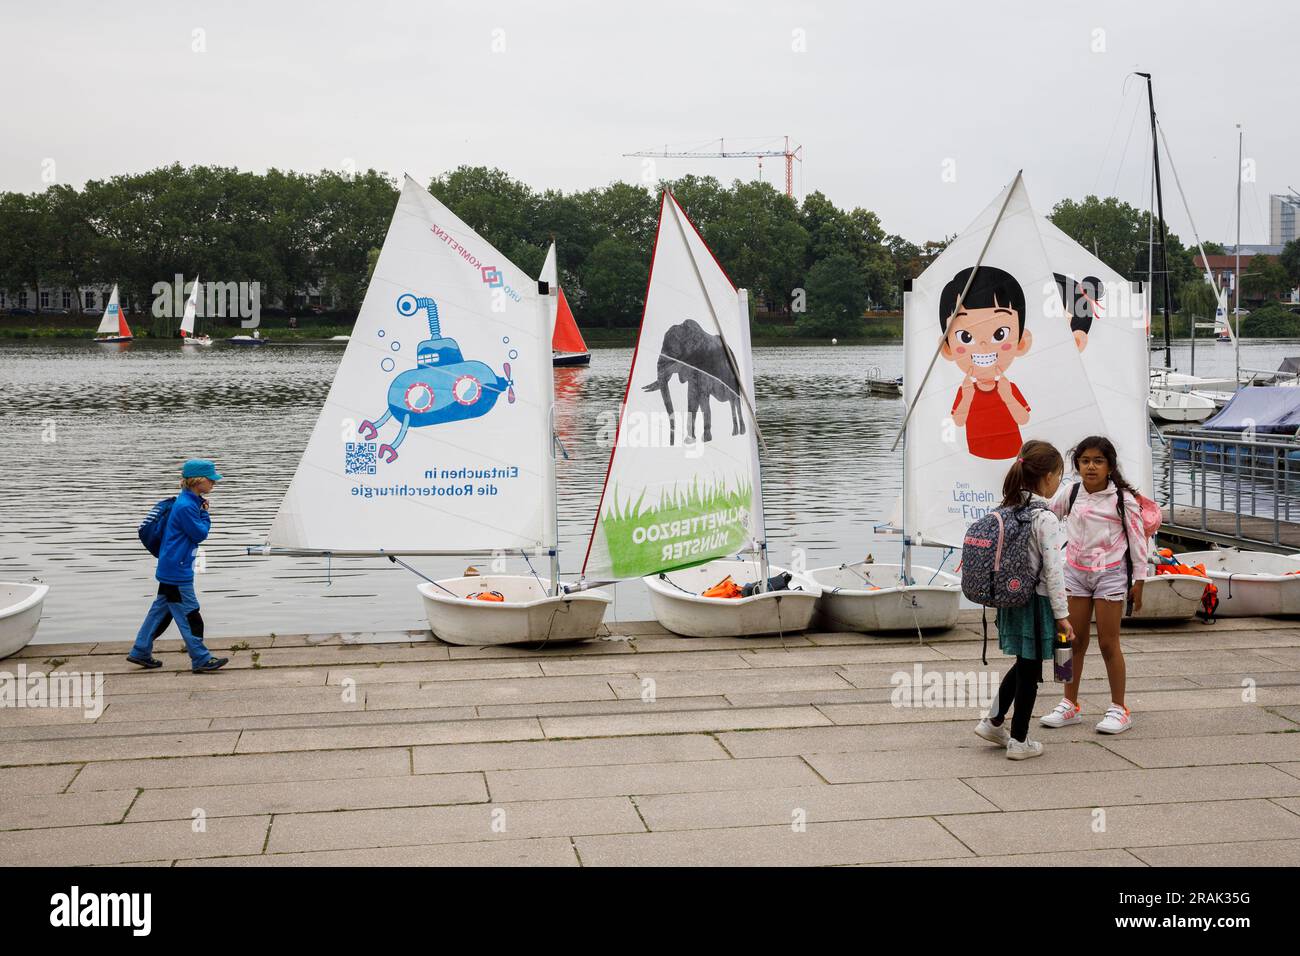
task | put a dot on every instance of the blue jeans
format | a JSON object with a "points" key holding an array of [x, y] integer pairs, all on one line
{"points": [[179, 603]]}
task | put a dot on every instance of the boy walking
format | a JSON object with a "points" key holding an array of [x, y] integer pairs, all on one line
{"points": [[187, 526]]}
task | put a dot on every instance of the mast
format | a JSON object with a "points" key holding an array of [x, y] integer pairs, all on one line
{"points": [[1160, 212], [1236, 278]]}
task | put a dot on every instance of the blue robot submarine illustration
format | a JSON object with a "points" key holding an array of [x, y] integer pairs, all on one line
{"points": [[443, 387]]}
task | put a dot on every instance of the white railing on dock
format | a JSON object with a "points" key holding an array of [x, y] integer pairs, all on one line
{"points": [[1226, 488]]}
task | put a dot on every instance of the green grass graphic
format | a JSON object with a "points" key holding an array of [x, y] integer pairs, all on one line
{"points": [[630, 558]]}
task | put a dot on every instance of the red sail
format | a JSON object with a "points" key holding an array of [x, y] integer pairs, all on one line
{"points": [[123, 329], [567, 338]]}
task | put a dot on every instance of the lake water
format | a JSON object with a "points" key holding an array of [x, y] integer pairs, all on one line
{"points": [[91, 436]]}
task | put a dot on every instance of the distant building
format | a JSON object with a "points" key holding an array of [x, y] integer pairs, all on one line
{"points": [[1283, 211], [1224, 270]]}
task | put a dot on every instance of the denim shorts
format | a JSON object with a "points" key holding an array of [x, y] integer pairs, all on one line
{"points": [[1107, 584]]}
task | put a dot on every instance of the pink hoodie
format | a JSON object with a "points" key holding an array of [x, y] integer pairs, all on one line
{"points": [[1094, 539]]}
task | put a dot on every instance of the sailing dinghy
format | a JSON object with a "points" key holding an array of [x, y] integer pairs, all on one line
{"points": [[682, 505], [113, 327], [20, 614], [567, 345], [1006, 338], [435, 437], [187, 320], [1250, 583]]}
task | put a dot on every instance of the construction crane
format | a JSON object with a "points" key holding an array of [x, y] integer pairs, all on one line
{"points": [[723, 153]]}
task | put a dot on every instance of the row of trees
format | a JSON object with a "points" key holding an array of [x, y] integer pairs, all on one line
{"points": [[290, 231]]}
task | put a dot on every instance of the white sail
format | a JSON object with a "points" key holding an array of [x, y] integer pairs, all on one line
{"points": [[109, 324], [435, 434], [1010, 367], [550, 274], [191, 310], [683, 484], [1106, 314]]}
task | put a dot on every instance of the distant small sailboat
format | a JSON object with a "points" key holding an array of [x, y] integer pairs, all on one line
{"points": [[254, 339], [187, 321], [113, 327], [567, 345]]}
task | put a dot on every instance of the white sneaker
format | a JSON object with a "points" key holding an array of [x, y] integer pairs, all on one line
{"points": [[1018, 751], [1063, 714], [994, 735], [1117, 720]]}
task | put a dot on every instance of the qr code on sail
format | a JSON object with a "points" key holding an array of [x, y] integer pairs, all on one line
{"points": [[360, 458]]}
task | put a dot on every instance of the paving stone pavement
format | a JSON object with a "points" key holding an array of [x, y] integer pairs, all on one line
{"points": [[644, 748]]}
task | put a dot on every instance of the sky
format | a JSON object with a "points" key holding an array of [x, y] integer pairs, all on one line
{"points": [[920, 111]]}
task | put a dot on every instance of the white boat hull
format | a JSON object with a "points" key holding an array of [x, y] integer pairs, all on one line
{"points": [[190, 340], [678, 606], [1167, 405], [20, 614], [848, 603], [1251, 583], [1170, 597], [528, 615]]}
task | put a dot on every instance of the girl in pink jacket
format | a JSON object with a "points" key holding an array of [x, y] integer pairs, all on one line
{"points": [[1105, 565]]}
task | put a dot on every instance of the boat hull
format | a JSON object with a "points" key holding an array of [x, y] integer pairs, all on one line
{"points": [[247, 340], [1170, 597], [114, 339], [563, 359], [20, 614], [528, 615], [1167, 405], [848, 603], [1251, 583], [678, 606]]}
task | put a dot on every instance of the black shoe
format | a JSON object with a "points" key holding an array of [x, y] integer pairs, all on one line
{"points": [[211, 664], [149, 663]]}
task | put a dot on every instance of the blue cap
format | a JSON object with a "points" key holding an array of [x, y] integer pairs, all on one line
{"points": [[200, 468]]}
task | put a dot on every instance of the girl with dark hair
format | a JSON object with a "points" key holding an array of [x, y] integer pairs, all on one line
{"points": [[1105, 564], [1028, 632]]}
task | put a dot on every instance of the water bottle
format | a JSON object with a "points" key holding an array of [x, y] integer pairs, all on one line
{"points": [[1063, 658]]}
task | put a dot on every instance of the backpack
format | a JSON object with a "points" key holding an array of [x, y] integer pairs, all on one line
{"points": [[996, 570], [154, 525]]}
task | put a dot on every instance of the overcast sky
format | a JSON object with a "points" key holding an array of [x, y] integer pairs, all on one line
{"points": [[885, 97]]}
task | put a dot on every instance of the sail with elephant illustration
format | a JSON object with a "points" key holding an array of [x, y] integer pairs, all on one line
{"points": [[683, 481]]}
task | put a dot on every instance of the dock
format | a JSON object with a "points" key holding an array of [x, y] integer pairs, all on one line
{"points": [[643, 748]]}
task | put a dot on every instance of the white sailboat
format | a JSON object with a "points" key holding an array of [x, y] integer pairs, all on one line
{"points": [[113, 327], [1014, 332], [567, 345], [1251, 583], [435, 436], [187, 320], [682, 505]]}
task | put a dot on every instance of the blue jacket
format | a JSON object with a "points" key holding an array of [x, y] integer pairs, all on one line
{"points": [[187, 526]]}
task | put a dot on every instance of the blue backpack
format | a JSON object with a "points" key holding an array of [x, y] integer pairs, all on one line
{"points": [[154, 525]]}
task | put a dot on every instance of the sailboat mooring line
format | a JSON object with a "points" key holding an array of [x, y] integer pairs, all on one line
{"points": [[957, 308]]}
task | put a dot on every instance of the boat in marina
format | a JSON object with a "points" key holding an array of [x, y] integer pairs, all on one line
{"points": [[20, 614], [187, 320], [567, 345], [1251, 583], [1168, 405], [445, 392], [682, 503], [113, 327], [870, 597]]}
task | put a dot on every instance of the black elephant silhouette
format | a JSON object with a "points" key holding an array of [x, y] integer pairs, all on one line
{"points": [[707, 366]]}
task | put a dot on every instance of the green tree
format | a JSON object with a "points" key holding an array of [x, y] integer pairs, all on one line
{"points": [[615, 279], [837, 296], [1289, 260]]}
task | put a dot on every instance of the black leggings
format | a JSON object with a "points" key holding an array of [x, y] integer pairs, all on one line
{"points": [[1020, 687]]}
